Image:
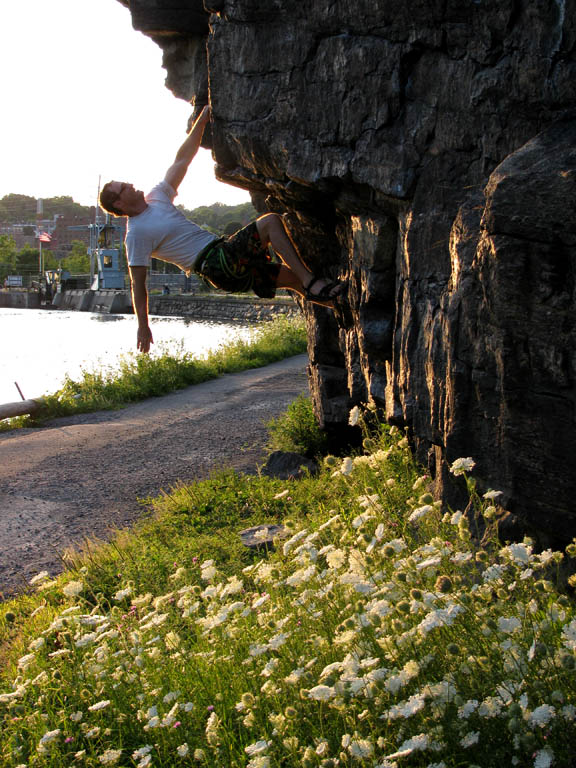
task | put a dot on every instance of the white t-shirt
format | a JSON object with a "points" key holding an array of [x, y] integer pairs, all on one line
{"points": [[162, 232]]}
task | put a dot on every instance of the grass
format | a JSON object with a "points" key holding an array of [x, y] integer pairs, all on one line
{"points": [[297, 430], [380, 633], [141, 376]]}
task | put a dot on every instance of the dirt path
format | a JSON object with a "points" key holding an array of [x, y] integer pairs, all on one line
{"points": [[83, 475]]}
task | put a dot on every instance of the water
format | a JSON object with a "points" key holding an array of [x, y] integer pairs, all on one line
{"points": [[39, 347]]}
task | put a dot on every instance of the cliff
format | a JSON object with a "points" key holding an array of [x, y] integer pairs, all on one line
{"points": [[424, 151]]}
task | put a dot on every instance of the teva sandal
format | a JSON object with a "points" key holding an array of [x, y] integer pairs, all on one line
{"points": [[326, 293]]}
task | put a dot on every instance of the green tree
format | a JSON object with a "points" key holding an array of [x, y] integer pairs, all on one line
{"points": [[77, 260], [217, 217], [7, 256], [22, 208], [17, 209], [231, 227], [27, 260]]}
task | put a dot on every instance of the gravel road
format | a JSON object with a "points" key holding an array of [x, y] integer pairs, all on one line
{"points": [[84, 475]]}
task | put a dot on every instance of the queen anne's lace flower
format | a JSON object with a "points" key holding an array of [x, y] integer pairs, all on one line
{"points": [[460, 466], [354, 416], [542, 715]]}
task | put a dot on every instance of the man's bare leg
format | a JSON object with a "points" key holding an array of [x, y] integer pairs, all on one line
{"points": [[272, 232]]}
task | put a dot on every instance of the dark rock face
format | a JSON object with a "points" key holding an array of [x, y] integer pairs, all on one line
{"points": [[425, 152]]}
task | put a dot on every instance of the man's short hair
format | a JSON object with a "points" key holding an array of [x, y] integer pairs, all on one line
{"points": [[108, 198]]}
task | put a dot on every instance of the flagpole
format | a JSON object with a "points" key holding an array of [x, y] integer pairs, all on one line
{"points": [[39, 210]]}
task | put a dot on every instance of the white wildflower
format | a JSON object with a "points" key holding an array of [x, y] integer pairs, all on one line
{"points": [[420, 513], [321, 693], [542, 715], [171, 696], [260, 761], [467, 709], [493, 573], [291, 543], [490, 707], [99, 705], [406, 708], [183, 750], [415, 744], [142, 751], [294, 677], [258, 748], [122, 594], [470, 739], [543, 758], [395, 682], [359, 521], [347, 466], [442, 617], [370, 502], [360, 749], [278, 640], [509, 624], [329, 522], [259, 602], [354, 416], [73, 588], [36, 644], [520, 552], [208, 570], [569, 635], [460, 466], [25, 661], [336, 558], [110, 756], [49, 737], [178, 574], [39, 577], [461, 557], [301, 576]]}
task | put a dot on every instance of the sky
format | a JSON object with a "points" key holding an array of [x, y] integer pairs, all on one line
{"points": [[83, 98]]}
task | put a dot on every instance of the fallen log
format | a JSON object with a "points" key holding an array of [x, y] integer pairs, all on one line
{"points": [[21, 408]]}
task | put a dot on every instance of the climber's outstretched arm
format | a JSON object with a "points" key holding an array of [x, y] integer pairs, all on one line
{"points": [[188, 150]]}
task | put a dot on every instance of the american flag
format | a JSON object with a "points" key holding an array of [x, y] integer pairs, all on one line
{"points": [[44, 237]]}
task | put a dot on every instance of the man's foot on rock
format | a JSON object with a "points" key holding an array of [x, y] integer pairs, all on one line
{"points": [[322, 289]]}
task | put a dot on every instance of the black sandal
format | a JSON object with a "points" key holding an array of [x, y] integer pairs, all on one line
{"points": [[327, 293]]}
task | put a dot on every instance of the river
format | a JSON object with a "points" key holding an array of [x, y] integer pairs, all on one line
{"points": [[38, 348]]}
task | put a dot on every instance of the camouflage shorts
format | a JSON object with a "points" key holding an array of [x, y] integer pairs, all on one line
{"points": [[239, 263]]}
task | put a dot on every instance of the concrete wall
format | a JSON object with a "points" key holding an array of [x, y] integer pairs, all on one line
{"points": [[19, 300], [215, 308], [107, 302], [221, 308]]}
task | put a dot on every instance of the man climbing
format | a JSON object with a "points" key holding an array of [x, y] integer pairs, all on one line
{"points": [[156, 228]]}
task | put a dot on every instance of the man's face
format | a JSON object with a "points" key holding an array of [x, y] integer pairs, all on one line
{"points": [[126, 196]]}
